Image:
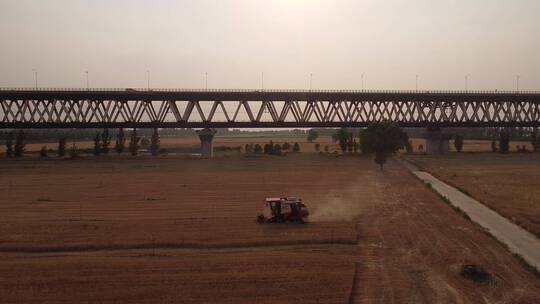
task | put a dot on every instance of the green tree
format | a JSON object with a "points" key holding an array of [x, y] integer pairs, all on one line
{"points": [[458, 142], [535, 140], [408, 147], [258, 149], [19, 144], [342, 136], [145, 142], [73, 152], [312, 135], [350, 142], [61, 146], [277, 149], [97, 144], [154, 146], [120, 141], [9, 144], [134, 143], [286, 146], [493, 146], [504, 142], [43, 152], [296, 147], [105, 141], [269, 149], [382, 139]]}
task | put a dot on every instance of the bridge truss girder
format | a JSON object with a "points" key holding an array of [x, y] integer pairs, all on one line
{"points": [[354, 110]]}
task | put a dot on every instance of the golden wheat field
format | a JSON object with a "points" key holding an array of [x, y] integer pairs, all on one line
{"points": [[118, 229]]}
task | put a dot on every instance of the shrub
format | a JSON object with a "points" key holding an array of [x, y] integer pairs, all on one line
{"points": [[296, 147], [257, 148], [19, 144], [61, 147], [227, 148], [286, 146]]}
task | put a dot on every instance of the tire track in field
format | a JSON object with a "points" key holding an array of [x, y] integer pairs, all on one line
{"points": [[186, 246]]}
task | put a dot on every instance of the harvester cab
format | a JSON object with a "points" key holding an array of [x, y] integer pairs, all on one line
{"points": [[284, 209]]}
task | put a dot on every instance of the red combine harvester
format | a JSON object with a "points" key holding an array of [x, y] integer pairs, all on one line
{"points": [[284, 209]]}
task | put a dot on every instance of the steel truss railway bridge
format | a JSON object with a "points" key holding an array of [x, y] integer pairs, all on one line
{"points": [[167, 108]]}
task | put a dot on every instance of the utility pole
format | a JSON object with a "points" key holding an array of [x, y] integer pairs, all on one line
{"points": [[35, 77]]}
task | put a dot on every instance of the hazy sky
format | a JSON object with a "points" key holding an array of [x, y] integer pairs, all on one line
{"points": [[234, 41]]}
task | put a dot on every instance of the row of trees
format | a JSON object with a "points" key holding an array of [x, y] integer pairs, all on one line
{"points": [[504, 142], [271, 148], [102, 142], [15, 148], [381, 139], [15, 145]]}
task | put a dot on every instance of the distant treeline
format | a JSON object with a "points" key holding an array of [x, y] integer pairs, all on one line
{"points": [[45, 135]]}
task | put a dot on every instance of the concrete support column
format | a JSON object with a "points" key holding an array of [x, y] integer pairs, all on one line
{"points": [[206, 136], [437, 142]]}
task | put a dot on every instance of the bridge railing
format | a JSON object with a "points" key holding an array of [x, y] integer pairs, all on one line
{"points": [[134, 90]]}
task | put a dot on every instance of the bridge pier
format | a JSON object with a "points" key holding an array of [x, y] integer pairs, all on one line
{"points": [[206, 136], [437, 142]]}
